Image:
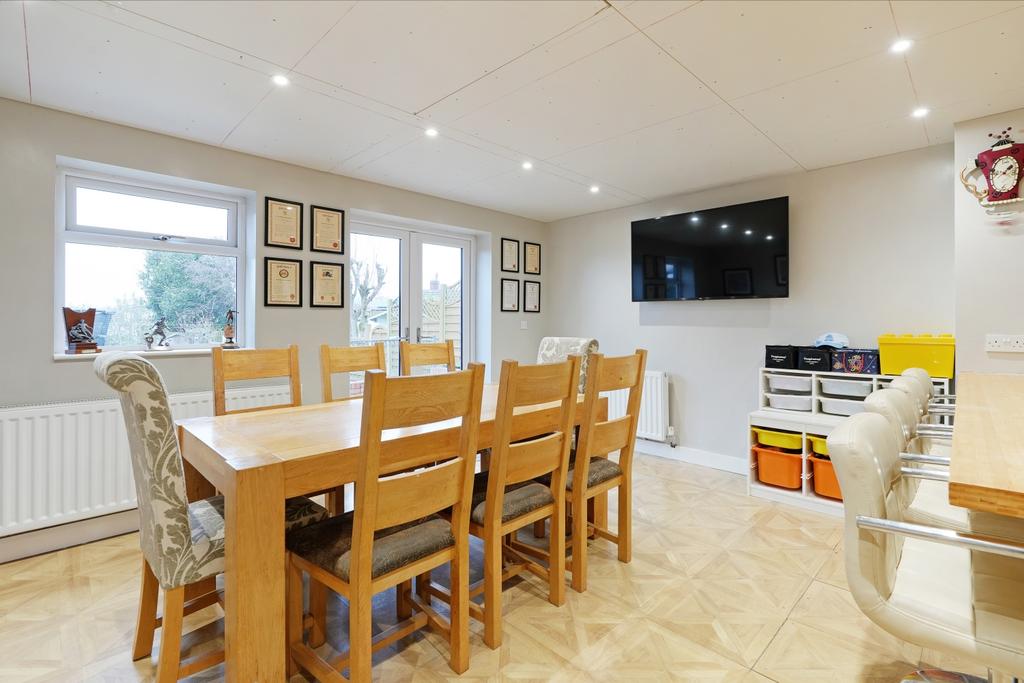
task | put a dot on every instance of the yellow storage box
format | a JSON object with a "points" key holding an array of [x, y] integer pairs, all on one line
{"points": [[819, 444], [770, 437], [934, 353]]}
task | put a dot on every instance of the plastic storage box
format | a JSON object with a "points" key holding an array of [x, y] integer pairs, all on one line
{"points": [[857, 388], [864, 361], [776, 467], [841, 406], [933, 353], [789, 401], [819, 444], [793, 384], [825, 481], [771, 437]]}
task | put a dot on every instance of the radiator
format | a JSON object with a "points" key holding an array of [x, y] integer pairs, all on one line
{"points": [[653, 423], [64, 462]]}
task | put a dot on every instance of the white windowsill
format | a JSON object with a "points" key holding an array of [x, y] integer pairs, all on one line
{"points": [[173, 353]]}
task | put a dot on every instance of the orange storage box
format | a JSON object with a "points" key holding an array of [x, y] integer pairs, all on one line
{"points": [[776, 467], [825, 482]]}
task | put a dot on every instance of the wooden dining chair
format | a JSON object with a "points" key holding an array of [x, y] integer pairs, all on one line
{"points": [[241, 364], [394, 533], [528, 444], [418, 355], [337, 359], [593, 473]]}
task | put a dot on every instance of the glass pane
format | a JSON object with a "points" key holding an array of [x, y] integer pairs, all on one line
{"points": [[131, 289], [376, 313], [442, 297], [116, 211]]}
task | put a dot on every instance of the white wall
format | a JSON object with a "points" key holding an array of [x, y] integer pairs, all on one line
{"points": [[871, 250], [32, 137], [989, 257]]}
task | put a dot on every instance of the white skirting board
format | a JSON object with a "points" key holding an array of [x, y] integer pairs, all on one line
{"points": [[67, 535], [694, 456]]}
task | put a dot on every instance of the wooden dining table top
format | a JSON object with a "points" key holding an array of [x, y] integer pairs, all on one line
{"points": [[987, 468]]}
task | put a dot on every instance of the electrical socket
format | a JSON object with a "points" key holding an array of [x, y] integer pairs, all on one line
{"points": [[1004, 343]]}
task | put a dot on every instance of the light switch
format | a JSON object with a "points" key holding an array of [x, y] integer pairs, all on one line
{"points": [[522, 324]]}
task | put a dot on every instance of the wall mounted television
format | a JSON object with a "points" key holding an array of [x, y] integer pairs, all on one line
{"points": [[730, 252]]}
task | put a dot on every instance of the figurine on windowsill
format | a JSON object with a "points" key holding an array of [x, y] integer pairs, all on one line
{"points": [[159, 329], [78, 326], [229, 331]]}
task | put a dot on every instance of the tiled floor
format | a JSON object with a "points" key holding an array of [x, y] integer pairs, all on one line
{"points": [[722, 587]]}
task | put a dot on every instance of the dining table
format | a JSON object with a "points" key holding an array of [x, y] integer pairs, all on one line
{"points": [[986, 471], [257, 460]]}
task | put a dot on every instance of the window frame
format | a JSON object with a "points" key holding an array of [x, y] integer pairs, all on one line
{"points": [[69, 231]]}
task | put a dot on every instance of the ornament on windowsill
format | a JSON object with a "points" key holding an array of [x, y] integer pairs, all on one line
{"points": [[229, 331], [1000, 165], [159, 329]]}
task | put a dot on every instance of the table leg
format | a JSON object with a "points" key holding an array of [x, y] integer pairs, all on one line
{"points": [[254, 577]]}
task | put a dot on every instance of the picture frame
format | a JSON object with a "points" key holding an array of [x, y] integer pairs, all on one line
{"points": [[782, 271], [531, 258], [282, 282], [738, 282], [282, 223], [326, 229], [326, 285], [509, 295], [509, 255], [531, 296]]}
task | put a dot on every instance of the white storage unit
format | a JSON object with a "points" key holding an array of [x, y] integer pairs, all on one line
{"points": [[820, 400]]}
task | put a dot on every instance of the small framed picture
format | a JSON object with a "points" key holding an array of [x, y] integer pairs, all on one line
{"points": [[326, 285], [509, 255], [326, 229], [531, 296], [738, 282], [283, 223], [531, 258], [509, 295], [282, 282]]}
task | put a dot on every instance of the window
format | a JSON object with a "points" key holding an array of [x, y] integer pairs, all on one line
{"points": [[143, 253]]}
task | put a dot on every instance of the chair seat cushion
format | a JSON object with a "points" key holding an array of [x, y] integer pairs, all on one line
{"points": [[328, 543], [206, 516], [301, 511], [600, 471], [518, 500]]}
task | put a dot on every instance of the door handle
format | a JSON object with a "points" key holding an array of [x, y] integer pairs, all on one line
{"points": [[419, 337]]}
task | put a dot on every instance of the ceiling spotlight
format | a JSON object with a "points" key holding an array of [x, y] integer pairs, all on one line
{"points": [[920, 112], [748, 232], [768, 237], [280, 80], [594, 189], [527, 165], [724, 226], [695, 218], [901, 45], [431, 132]]}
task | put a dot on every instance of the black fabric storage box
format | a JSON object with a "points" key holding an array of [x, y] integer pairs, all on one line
{"points": [[862, 361], [780, 357], [812, 358]]}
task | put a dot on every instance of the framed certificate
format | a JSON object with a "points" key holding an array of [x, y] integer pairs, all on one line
{"points": [[282, 282], [326, 229], [509, 295], [509, 255], [531, 258], [531, 296], [326, 285], [283, 223]]}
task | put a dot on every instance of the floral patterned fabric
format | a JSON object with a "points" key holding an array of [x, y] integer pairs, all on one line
{"points": [[558, 350]]}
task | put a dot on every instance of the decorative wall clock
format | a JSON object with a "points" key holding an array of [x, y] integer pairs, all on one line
{"points": [[1000, 165]]}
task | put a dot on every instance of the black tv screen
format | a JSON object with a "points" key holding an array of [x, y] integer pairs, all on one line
{"points": [[730, 252]]}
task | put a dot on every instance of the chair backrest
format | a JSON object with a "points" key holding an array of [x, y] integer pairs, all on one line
{"points": [[922, 377], [164, 529], [335, 359], [530, 444], [445, 458], [600, 437], [232, 365], [417, 355], [898, 409], [912, 388], [866, 459], [558, 349]]}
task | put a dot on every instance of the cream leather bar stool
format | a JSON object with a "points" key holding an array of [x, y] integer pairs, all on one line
{"points": [[960, 593]]}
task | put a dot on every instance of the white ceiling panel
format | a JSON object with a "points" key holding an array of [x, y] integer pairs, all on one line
{"points": [[89, 65], [311, 129], [412, 54], [281, 31], [707, 148], [739, 48], [643, 13], [862, 92], [976, 60], [13, 63], [819, 148], [622, 88], [940, 121], [917, 20]]}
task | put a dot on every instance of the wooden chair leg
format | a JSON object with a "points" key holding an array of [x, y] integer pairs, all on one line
{"points": [[146, 623], [492, 589], [579, 544], [170, 635], [360, 632], [625, 522], [423, 587], [556, 557], [403, 609], [293, 613], [539, 529], [459, 632], [318, 610]]}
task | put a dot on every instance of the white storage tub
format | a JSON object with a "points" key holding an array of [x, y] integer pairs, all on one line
{"points": [[841, 406], [789, 402], [845, 387], [792, 384]]}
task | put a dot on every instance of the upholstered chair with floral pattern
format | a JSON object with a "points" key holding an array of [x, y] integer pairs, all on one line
{"points": [[558, 350]]}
